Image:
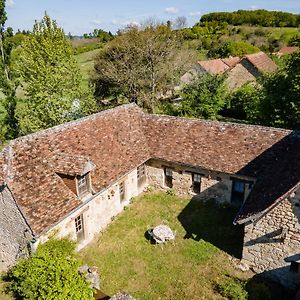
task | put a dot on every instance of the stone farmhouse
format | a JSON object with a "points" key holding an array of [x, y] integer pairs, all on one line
{"points": [[72, 179], [238, 71]]}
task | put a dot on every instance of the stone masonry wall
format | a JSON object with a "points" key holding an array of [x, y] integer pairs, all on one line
{"points": [[214, 185], [14, 232], [274, 240], [98, 212]]}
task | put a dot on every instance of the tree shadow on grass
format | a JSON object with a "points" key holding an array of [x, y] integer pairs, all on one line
{"points": [[212, 222]]}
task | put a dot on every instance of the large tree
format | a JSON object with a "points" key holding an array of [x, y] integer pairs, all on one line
{"points": [[142, 64], [280, 101], [203, 98], [51, 79], [8, 122]]}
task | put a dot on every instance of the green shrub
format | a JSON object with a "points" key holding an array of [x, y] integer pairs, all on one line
{"points": [[235, 49], [232, 289], [51, 273]]}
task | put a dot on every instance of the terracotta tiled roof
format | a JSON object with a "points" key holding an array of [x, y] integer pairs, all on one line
{"points": [[118, 140], [270, 155], [231, 61], [112, 140], [278, 176], [71, 164], [287, 50], [218, 66], [214, 66], [218, 146], [262, 62]]}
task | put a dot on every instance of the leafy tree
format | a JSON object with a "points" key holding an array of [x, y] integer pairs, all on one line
{"points": [[203, 98], [234, 49], [280, 104], [295, 41], [141, 65], [9, 124], [244, 103], [51, 79], [259, 17], [51, 273]]}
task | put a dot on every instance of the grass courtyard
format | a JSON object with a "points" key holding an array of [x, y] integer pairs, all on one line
{"points": [[191, 267]]}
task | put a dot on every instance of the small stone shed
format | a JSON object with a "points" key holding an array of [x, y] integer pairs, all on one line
{"points": [[72, 180]]}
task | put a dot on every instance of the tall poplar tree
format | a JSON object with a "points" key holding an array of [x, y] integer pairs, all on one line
{"points": [[9, 123], [51, 79]]}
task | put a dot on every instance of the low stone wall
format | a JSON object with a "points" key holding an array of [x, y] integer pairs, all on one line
{"points": [[14, 232], [274, 240]]}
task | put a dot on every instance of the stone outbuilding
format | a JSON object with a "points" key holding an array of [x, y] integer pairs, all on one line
{"points": [[239, 71], [73, 179]]}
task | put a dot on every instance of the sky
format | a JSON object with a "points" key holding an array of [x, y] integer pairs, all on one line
{"points": [[81, 16]]}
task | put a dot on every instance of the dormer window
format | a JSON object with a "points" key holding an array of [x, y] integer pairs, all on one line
{"points": [[83, 185], [75, 172]]}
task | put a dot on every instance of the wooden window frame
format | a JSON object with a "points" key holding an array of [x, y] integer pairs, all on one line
{"points": [[238, 197], [122, 191], [141, 174], [79, 227], [83, 188]]}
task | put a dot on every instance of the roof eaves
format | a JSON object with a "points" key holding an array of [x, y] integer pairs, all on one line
{"points": [[252, 218]]}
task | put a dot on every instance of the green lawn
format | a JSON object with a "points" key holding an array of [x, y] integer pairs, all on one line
{"points": [[189, 268]]}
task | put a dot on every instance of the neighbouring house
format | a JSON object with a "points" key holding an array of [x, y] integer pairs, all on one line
{"points": [[248, 69], [238, 71], [213, 67], [72, 179], [286, 50]]}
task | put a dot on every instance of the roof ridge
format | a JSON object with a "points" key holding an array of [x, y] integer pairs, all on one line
{"points": [[234, 124]]}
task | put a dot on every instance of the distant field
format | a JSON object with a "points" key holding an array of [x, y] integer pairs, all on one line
{"points": [[282, 33], [85, 62]]}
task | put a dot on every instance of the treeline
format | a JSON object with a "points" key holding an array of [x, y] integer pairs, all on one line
{"points": [[258, 17]]}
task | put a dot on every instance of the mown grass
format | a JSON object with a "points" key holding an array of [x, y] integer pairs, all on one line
{"points": [[189, 268]]}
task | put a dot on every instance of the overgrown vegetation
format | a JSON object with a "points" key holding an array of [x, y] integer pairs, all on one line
{"points": [[51, 273]]}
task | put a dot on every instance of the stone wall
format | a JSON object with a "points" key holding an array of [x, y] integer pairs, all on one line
{"points": [[272, 242], [99, 211], [214, 185], [240, 75], [15, 233]]}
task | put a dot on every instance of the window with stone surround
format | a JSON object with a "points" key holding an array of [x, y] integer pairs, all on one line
{"points": [[196, 179], [169, 177]]}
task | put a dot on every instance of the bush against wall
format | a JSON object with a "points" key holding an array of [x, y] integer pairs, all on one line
{"points": [[51, 273]]}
